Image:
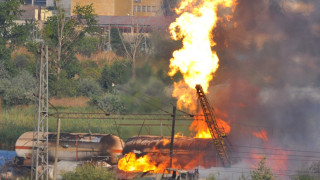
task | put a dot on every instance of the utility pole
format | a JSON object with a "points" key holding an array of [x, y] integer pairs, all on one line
{"points": [[172, 133], [39, 169], [55, 170]]}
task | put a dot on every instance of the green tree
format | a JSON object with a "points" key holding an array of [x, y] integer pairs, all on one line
{"points": [[88, 45], [116, 43], [18, 90], [116, 73], [64, 34], [262, 172], [11, 34]]}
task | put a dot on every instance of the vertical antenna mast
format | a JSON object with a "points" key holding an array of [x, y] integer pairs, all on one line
{"points": [[40, 162]]}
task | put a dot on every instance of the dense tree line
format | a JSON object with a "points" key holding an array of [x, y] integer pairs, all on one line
{"points": [[109, 84]]}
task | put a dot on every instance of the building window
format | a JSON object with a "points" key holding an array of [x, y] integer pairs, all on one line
{"points": [[138, 8], [143, 8], [148, 8], [137, 1], [134, 8]]}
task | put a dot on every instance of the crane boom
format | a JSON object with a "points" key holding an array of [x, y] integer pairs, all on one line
{"points": [[217, 133]]}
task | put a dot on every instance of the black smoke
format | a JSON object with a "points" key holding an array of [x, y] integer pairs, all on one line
{"points": [[269, 74]]}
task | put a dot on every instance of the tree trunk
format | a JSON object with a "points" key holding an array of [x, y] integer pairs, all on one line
{"points": [[134, 65]]}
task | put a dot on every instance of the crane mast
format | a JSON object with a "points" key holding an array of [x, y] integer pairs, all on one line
{"points": [[217, 134]]}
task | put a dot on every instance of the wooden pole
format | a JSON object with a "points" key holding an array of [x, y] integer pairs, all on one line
{"points": [[57, 149]]}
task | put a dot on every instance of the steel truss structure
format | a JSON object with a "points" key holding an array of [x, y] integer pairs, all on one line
{"points": [[40, 158]]}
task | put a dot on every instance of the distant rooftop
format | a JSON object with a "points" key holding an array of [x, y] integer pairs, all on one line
{"points": [[29, 12]]}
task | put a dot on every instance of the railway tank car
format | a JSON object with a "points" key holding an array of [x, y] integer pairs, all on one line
{"points": [[73, 147], [188, 152]]}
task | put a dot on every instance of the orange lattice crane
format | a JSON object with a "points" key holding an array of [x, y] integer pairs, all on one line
{"points": [[217, 134]]}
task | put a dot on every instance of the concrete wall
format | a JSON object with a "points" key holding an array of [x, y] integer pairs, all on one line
{"points": [[146, 7], [123, 8], [101, 7]]}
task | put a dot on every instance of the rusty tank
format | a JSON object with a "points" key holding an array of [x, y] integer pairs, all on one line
{"points": [[188, 152], [73, 147]]}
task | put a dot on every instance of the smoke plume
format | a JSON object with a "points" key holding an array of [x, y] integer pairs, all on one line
{"points": [[269, 73]]}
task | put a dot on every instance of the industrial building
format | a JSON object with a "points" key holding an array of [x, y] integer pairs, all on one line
{"points": [[109, 7]]}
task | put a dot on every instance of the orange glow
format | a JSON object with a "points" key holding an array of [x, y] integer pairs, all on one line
{"points": [[157, 161], [262, 135], [186, 96], [178, 134], [197, 63], [196, 60], [276, 159], [165, 142], [131, 163], [202, 131]]}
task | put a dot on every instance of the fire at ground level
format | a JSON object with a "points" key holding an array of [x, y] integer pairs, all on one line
{"points": [[103, 149]]}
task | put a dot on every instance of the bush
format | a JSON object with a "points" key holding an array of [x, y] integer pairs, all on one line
{"points": [[90, 70], [87, 46], [144, 96], [72, 67], [111, 103], [262, 172], [3, 71], [18, 90], [117, 73], [24, 62], [89, 88], [63, 86], [89, 172]]}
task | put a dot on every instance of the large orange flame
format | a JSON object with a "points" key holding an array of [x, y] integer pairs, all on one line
{"points": [[131, 163], [195, 60], [157, 161], [199, 126]]}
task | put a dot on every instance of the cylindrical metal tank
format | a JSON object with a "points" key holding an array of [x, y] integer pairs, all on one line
{"points": [[146, 144], [188, 152], [74, 147]]}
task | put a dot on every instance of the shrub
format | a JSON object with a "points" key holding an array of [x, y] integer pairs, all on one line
{"points": [[89, 172], [89, 88], [18, 90], [111, 103], [72, 67], [90, 70], [63, 86], [262, 172], [116, 73], [88, 45]]}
